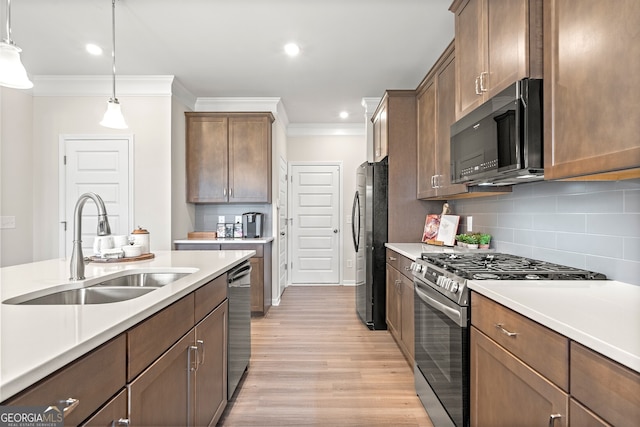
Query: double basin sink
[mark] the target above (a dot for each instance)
(122, 288)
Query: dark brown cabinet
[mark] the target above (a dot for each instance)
(228, 157)
(497, 42)
(399, 305)
(591, 55)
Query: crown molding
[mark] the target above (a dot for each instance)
(370, 105)
(181, 93)
(272, 104)
(101, 85)
(326, 129)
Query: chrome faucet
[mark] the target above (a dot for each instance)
(77, 258)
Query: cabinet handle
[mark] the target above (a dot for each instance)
(501, 328)
(482, 87)
(193, 366)
(224, 192)
(230, 192)
(552, 419)
(120, 422)
(391, 258)
(478, 86)
(68, 405)
(200, 343)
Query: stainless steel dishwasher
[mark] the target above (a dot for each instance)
(239, 339)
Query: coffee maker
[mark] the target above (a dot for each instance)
(252, 224)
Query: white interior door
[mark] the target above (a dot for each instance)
(282, 227)
(315, 227)
(103, 165)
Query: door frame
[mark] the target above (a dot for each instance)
(338, 164)
(280, 206)
(62, 180)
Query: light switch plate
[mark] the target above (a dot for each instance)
(469, 223)
(221, 219)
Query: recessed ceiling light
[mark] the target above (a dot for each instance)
(344, 115)
(292, 49)
(93, 49)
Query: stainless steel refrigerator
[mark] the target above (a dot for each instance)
(369, 232)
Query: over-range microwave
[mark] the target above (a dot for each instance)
(501, 141)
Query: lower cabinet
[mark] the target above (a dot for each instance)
(399, 305)
(168, 370)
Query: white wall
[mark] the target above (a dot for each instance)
(182, 213)
(16, 175)
(149, 121)
(352, 152)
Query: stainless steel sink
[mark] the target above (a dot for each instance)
(91, 295)
(122, 288)
(144, 280)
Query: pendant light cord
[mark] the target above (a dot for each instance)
(113, 41)
(8, 39)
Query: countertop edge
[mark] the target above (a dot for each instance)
(258, 241)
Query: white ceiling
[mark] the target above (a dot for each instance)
(221, 48)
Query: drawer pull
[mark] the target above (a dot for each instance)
(501, 328)
(68, 405)
(121, 422)
(200, 344)
(552, 419)
(393, 258)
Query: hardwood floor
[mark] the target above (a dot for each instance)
(314, 363)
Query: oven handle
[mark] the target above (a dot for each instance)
(452, 313)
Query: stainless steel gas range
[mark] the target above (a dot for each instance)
(442, 319)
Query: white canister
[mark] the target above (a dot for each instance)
(141, 237)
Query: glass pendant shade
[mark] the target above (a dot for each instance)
(113, 117)
(12, 72)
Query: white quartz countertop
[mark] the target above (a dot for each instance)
(257, 241)
(603, 315)
(36, 340)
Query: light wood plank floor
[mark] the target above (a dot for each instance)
(314, 363)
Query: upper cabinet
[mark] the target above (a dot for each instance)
(228, 157)
(592, 54)
(380, 133)
(497, 42)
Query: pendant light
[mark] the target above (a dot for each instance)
(113, 116)
(12, 72)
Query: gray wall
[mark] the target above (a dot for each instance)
(592, 225)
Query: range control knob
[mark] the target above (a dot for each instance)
(454, 287)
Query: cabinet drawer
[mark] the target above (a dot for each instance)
(245, 247)
(147, 341)
(210, 296)
(541, 348)
(111, 413)
(104, 366)
(610, 390)
(399, 262)
(582, 417)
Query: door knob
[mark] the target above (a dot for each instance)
(335, 230)
(282, 233)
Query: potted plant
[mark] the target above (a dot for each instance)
(472, 241)
(460, 239)
(484, 240)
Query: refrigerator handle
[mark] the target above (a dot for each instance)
(355, 213)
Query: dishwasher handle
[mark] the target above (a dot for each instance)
(239, 273)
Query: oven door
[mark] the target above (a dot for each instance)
(442, 356)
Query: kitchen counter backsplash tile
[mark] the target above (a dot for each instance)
(206, 215)
(590, 225)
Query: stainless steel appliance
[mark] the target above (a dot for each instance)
(239, 338)
(252, 224)
(369, 232)
(501, 141)
(442, 320)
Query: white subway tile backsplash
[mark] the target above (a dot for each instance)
(594, 225)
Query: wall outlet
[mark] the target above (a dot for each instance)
(7, 222)
(349, 263)
(221, 219)
(238, 219)
(469, 224)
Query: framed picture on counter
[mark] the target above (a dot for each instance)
(448, 229)
(431, 226)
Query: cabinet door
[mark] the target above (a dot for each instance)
(507, 392)
(445, 117)
(257, 285)
(163, 394)
(113, 414)
(393, 302)
(207, 154)
(250, 159)
(380, 134)
(469, 55)
(592, 53)
(211, 373)
(407, 321)
(426, 165)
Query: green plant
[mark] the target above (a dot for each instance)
(473, 239)
(485, 239)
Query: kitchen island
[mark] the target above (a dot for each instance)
(37, 340)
